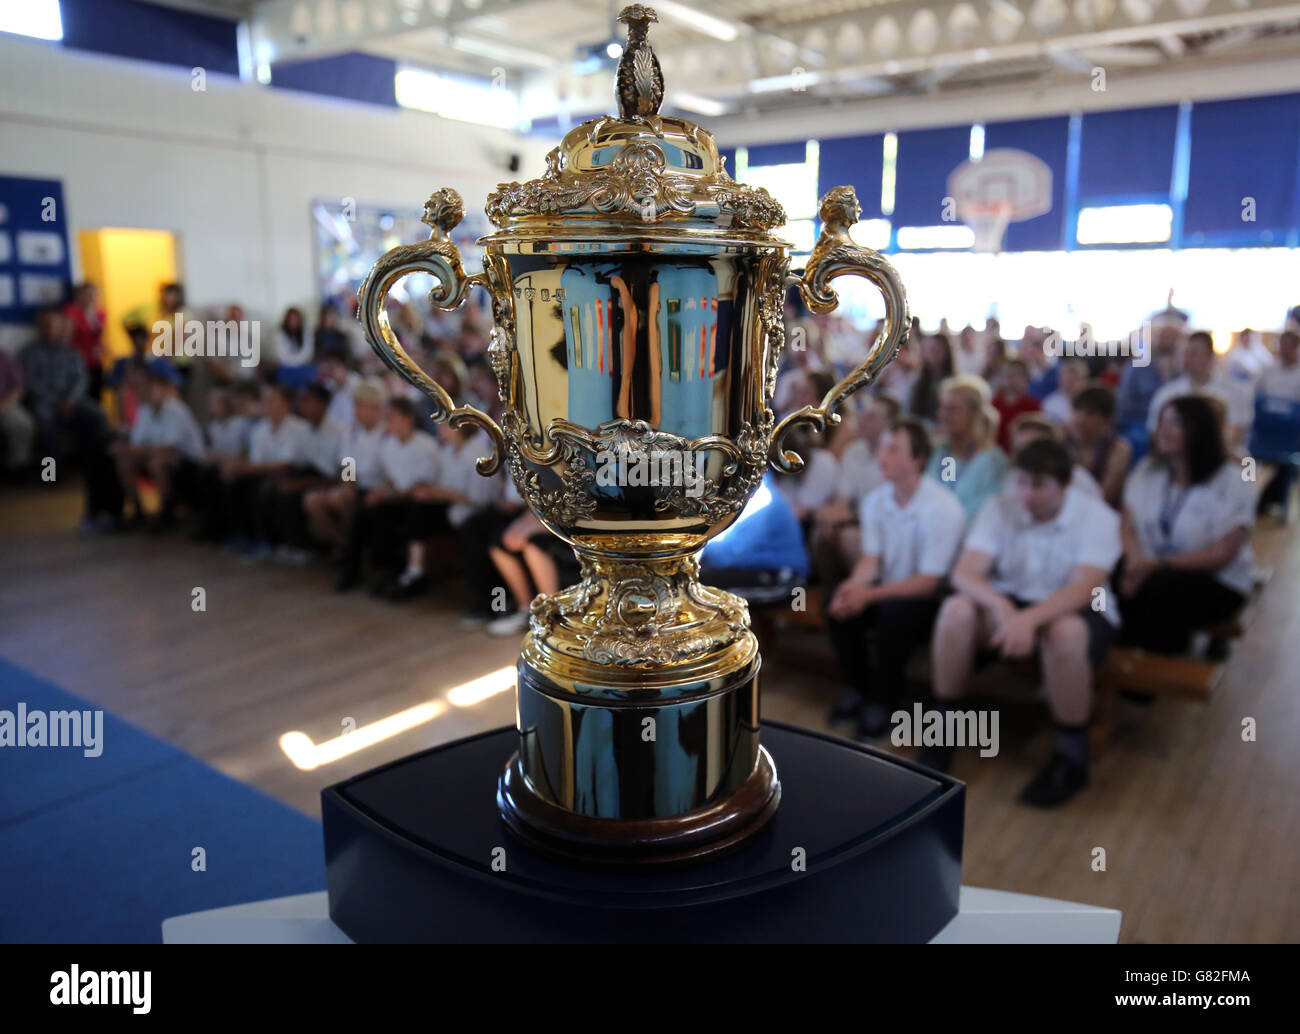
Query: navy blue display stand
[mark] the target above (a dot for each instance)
(865, 847)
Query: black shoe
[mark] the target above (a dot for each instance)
(873, 721)
(382, 585)
(1134, 697)
(1218, 649)
(1059, 780)
(846, 708)
(408, 588)
(346, 581)
(937, 758)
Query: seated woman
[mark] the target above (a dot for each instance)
(965, 458)
(1187, 519)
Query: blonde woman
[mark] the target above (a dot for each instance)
(966, 458)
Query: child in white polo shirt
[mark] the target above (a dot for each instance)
(166, 444)
(911, 531)
(1033, 579)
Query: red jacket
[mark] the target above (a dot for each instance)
(87, 333)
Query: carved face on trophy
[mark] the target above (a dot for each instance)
(637, 292)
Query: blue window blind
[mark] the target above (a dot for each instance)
(1244, 149)
(146, 32)
(857, 162)
(1127, 154)
(778, 154)
(356, 77)
(926, 157)
(1047, 139)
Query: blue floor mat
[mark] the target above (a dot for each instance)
(100, 849)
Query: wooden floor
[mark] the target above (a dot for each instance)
(1201, 830)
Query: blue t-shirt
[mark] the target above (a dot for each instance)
(766, 536)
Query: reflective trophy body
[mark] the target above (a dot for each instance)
(638, 299)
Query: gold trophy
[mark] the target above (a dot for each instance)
(637, 292)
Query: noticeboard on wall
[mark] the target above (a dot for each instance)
(35, 263)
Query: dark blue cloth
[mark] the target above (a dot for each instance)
(766, 536)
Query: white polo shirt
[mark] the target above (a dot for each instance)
(922, 537)
(404, 464)
(362, 447)
(816, 485)
(459, 474)
(230, 436)
(859, 472)
(1034, 559)
(1196, 516)
(172, 426)
(1236, 398)
(283, 444)
(322, 448)
(1281, 382)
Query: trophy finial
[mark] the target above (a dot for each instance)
(639, 82)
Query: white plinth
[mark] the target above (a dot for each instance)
(985, 917)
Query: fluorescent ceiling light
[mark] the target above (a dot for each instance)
(701, 105)
(708, 24)
(502, 52)
(952, 236)
(1125, 224)
(795, 81)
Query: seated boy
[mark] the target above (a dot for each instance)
(911, 531)
(1033, 580)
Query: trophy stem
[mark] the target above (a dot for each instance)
(638, 717)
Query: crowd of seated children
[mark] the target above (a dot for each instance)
(919, 523)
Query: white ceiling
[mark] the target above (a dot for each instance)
(828, 50)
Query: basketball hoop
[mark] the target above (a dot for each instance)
(988, 221)
(1005, 186)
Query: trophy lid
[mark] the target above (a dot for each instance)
(640, 170)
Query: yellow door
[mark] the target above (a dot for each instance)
(129, 266)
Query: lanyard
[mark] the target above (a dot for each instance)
(1170, 508)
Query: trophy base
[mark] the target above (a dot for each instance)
(865, 847)
(720, 827)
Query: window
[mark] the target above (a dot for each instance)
(1125, 224)
(462, 99)
(39, 19)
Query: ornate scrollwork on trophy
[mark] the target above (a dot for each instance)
(643, 616)
(638, 182)
(577, 456)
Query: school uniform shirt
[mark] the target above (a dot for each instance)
(362, 447)
(459, 474)
(1236, 399)
(1173, 519)
(1034, 559)
(172, 425)
(404, 464)
(859, 472)
(816, 485)
(340, 409)
(283, 444)
(1058, 408)
(1280, 382)
(922, 537)
(322, 448)
(229, 437)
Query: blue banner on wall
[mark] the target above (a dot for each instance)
(35, 265)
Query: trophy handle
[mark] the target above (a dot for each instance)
(834, 255)
(439, 257)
